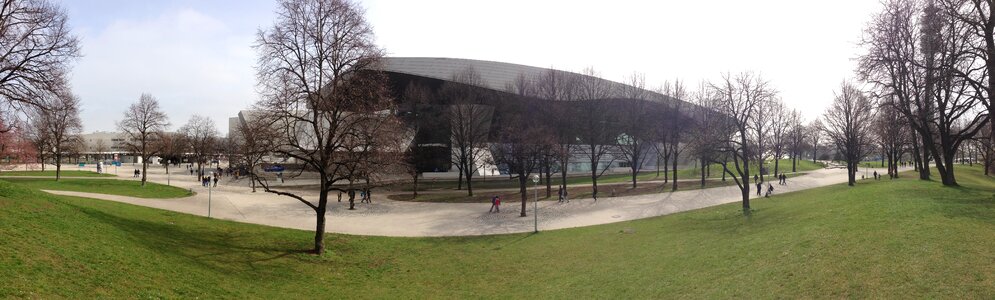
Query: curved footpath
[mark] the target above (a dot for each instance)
(410, 219)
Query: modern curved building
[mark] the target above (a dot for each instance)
(427, 90)
(501, 83)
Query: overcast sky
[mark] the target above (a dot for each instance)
(196, 56)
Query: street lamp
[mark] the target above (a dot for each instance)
(208, 198)
(535, 204)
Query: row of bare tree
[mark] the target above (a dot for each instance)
(931, 67)
(36, 51)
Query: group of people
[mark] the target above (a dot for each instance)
(365, 195)
(137, 173)
(782, 179)
(563, 195)
(205, 181)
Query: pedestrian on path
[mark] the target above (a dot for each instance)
(495, 204)
(759, 187)
(770, 190)
(559, 194)
(215, 180)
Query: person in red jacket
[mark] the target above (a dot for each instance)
(495, 204)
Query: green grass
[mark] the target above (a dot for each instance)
(51, 173)
(132, 188)
(882, 239)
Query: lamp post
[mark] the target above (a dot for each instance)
(535, 204)
(208, 199)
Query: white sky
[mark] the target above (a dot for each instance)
(195, 56)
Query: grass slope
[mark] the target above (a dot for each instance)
(132, 188)
(898, 239)
(51, 173)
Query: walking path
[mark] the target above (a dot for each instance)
(398, 218)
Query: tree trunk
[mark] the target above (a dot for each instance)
(58, 166)
(666, 175)
(777, 164)
(522, 190)
(319, 230)
(703, 168)
(549, 180)
(815, 149)
(414, 179)
(746, 186)
(594, 176)
(851, 172)
(469, 180)
(563, 176)
(674, 169)
(459, 184)
(634, 172)
(145, 170)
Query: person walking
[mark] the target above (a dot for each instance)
(770, 190)
(215, 180)
(559, 194)
(495, 204)
(759, 187)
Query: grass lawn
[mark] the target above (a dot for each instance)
(51, 173)
(131, 188)
(882, 239)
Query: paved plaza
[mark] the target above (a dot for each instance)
(235, 201)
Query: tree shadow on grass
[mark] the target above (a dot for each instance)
(225, 252)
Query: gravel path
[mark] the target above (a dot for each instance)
(410, 219)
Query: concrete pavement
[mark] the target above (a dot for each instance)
(398, 218)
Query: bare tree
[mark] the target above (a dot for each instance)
(201, 136)
(596, 139)
(469, 123)
(978, 20)
(891, 133)
(332, 114)
(101, 148)
(143, 125)
(558, 87)
(920, 55)
(848, 124)
(172, 146)
(796, 138)
(707, 135)
(60, 125)
(254, 138)
(634, 144)
(36, 47)
(762, 125)
(814, 131)
(780, 126)
(739, 99)
(520, 148)
(677, 125)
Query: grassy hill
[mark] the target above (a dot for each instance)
(904, 238)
